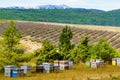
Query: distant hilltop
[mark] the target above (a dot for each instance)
(40, 7)
(53, 7)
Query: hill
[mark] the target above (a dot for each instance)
(71, 16)
(40, 31)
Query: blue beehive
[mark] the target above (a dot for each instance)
(17, 72)
(14, 74)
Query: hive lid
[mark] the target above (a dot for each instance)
(9, 66)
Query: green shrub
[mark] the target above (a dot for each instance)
(26, 57)
(48, 53)
(102, 50)
(80, 52)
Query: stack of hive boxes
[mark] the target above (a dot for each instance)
(39, 68)
(47, 67)
(26, 69)
(63, 64)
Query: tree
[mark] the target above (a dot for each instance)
(47, 53)
(9, 52)
(11, 37)
(102, 50)
(80, 52)
(65, 45)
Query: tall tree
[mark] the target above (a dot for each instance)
(65, 45)
(11, 37)
(81, 52)
(9, 51)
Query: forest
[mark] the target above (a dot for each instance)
(71, 16)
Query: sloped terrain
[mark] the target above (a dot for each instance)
(71, 16)
(51, 31)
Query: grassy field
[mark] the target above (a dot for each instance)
(79, 72)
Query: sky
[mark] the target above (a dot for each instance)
(89, 4)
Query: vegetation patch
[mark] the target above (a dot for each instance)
(11, 54)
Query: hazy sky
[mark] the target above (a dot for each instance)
(96, 4)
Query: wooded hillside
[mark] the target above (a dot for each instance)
(72, 16)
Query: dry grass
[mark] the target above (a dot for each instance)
(79, 72)
(28, 45)
(4, 20)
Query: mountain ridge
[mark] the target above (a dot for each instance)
(40, 7)
(53, 7)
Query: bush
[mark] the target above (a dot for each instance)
(80, 52)
(26, 57)
(19, 51)
(48, 53)
(102, 50)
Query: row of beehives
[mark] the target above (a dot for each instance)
(100, 63)
(12, 71)
(95, 63)
(46, 67)
(54, 67)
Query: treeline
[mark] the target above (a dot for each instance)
(68, 51)
(72, 16)
(11, 54)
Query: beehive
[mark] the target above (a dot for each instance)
(64, 64)
(70, 64)
(17, 72)
(56, 63)
(39, 68)
(88, 64)
(114, 62)
(26, 69)
(47, 67)
(94, 64)
(8, 70)
(100, 63)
